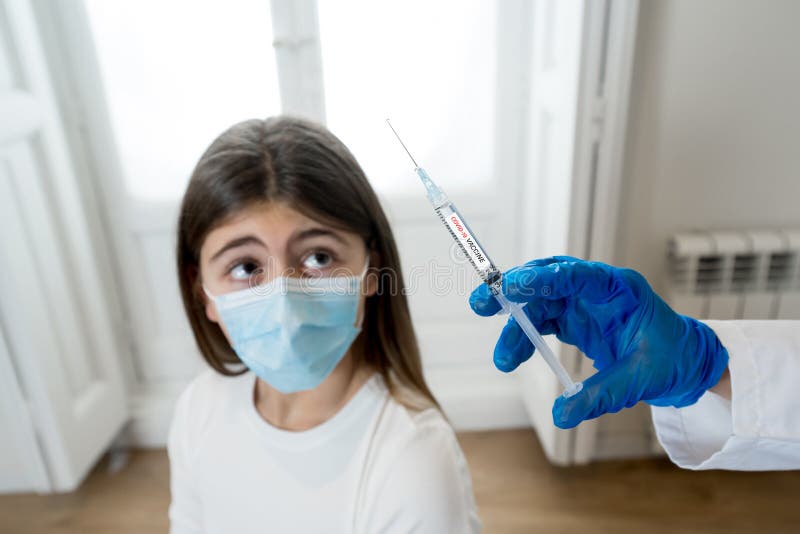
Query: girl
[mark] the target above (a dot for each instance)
(315, 416)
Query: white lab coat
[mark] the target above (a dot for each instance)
(759, 428)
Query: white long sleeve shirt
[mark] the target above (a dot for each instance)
(759, 428)
(375, 466)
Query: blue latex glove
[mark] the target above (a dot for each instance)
(642, 349)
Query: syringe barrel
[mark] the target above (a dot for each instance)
(467, 241)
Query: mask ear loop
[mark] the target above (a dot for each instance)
(361, 279)
(208, 293)
(364, 270)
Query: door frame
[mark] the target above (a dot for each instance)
(601, 136)
(582, 56)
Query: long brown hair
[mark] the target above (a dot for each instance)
(302, 164)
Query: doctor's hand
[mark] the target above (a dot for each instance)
(643, 350)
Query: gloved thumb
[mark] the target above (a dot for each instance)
(607, 391)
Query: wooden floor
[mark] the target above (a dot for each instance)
(517, 491)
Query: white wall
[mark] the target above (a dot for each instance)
(714, 131)
(713, 138)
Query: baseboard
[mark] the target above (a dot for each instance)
(472, 398)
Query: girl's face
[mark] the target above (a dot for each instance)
(268, 240)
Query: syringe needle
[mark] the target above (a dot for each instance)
(402, 143)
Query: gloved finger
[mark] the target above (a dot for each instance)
(607, 391)
(513, 347)
(541, 311)
(539, 262)
(483, 302)
(592, 281)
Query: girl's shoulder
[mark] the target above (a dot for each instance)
(405, 426)
(209, 395)
(409, 422)
(209, 381)
(211, 386)
(417, 473)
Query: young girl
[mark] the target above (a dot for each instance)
(315, 416)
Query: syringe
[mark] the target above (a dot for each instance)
(490, 274)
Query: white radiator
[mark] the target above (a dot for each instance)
(735, 275)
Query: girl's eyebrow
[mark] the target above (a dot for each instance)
(238, 242)
(317, 232)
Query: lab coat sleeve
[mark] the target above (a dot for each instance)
(428, 489)
(184, 508)
(759, 428)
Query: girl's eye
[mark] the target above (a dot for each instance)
(243, 270)
(317, 260)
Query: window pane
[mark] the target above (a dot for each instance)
(430, 67)
(176, 74)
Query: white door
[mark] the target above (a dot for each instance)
(60, 362)
(21, 463)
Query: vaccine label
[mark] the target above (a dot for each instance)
(468, 243)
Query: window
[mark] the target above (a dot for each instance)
(429, 66)
(176, 74)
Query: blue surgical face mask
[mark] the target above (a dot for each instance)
(292, 332)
